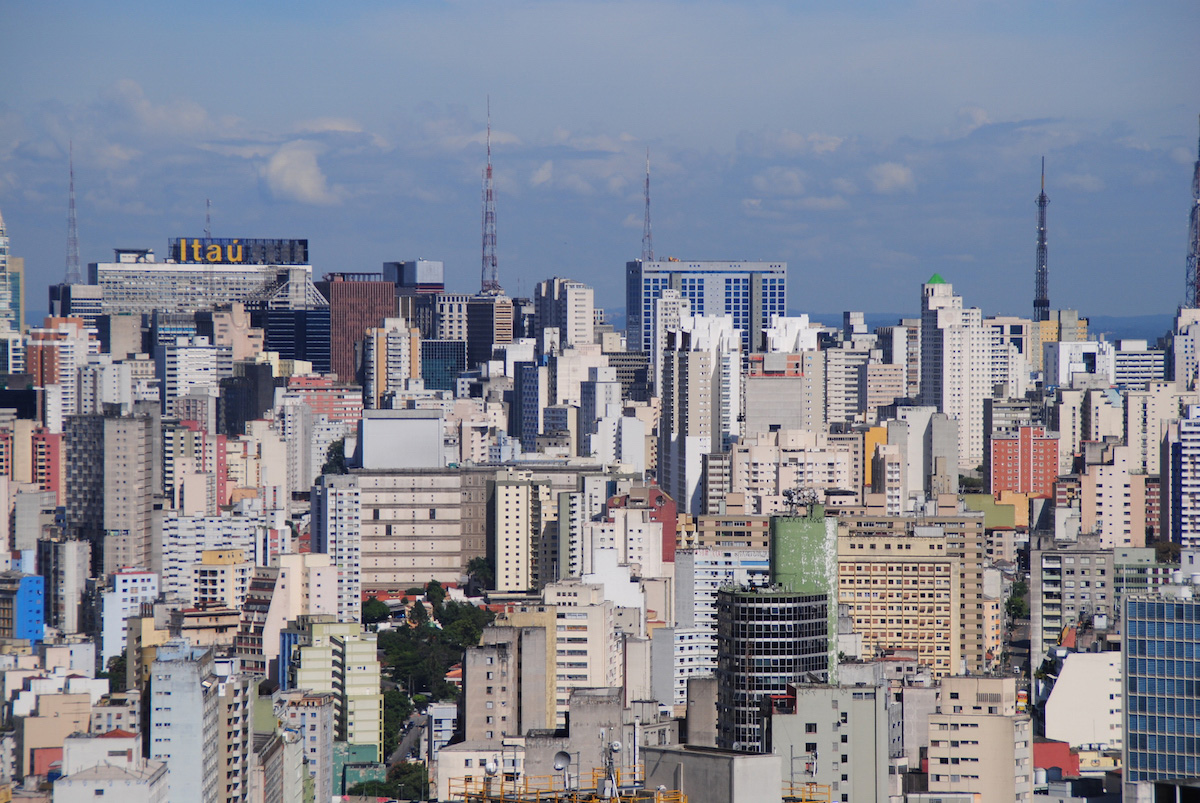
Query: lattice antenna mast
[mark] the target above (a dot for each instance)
(1192, 298)
(490, 283)
(207, 219)
(74, 273)
(647, 235)
(1041, 295)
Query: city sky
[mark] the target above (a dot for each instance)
(867, 144)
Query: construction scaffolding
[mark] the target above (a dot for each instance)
(503, 788)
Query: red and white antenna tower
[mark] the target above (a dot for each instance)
(1192, 293)
(647, 236)
(74, 273)
(490, 283)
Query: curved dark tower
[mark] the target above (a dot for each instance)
(1041, 293)
(1192, 294)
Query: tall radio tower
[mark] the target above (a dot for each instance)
(1192, 293)
(1041, 293)
(74, 273)
(490, 283)
(647, 237)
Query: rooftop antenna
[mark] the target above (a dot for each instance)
(1041, 295)
(1192, 295)
(207, 219)
(647, 236)
(74, 274)
(489, 284)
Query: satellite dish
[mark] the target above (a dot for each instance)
(615, 747)
(491, 767)
(562, 760)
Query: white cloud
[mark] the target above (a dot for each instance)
(179, 117)
(1082, 181)
(822, 203)
(845, 186)
(890, 177)
(293, 174)
(322, 125)
(542, 174)
(780, 181)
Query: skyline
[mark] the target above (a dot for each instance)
(867, 147)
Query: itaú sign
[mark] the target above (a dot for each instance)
(226, 251)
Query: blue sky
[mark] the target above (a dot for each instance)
(867, 144)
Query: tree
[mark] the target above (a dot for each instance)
(335, 458)
(479, 571)
(436, 594)
(1017, 607)
(418, 615)
(375, 610)
(396, 709)
(410, 780)
(115, 673)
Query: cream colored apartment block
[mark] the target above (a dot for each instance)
(978, 742)
(916, 585)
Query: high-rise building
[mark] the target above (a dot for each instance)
(767, 638)
(12, 286)
(1181, 481)
(1160, 660)
(185, 720)
(523, 511)
(200, 274)
(955, 366)
(489, 323)
(337, 531)
(357, 302)
(568, 306)
(701, 403)
(416, 277)
(113, 473)
(441, 363)
(391, 356)
(295, 318)
(1024, 462)
(979, 742)
(750, 292)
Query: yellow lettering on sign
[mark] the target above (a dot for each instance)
(231, 255)
(183, 250)
(213, 253)
(196, 251)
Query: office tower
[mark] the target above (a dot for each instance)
(701, 403)
(1160, 661)
(200, 275)
(113, 473)
(750, 292)
(804, 561)
(979, 743)
(1025, 462)
(901, 345)
(489, 323)
(766, 639)
(441, 363)
(531, 397)
(1180, 485)
(785, 390)
(1136, 365)
(357, 302)
(955, 372)
(416, 277)
(568, 306)
(668, 308)
(324, 655)
(337, 516)
(295, 318)
(184, 720)
(391, 357)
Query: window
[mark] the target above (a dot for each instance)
(810, 727)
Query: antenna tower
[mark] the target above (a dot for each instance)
(207, 219)
(1192, 296)
(647, 236)
(489, 284)
(1041, 295)
(74, 274)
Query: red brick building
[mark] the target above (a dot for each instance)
(357, 302)
(1025, 462)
